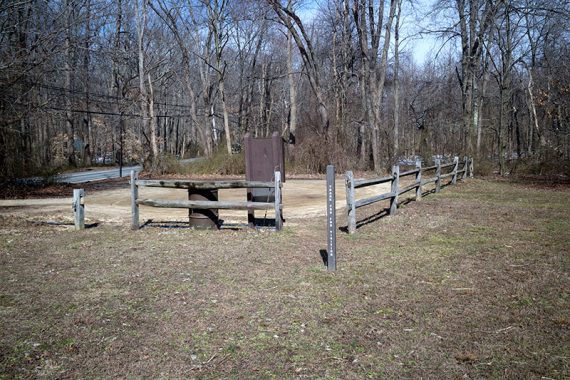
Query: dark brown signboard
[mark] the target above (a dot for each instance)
(263, 157)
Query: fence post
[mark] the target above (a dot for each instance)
(471, 168)
(394, 189)
(465, 166)
(134, 198)
(438, 175)
(455, 168)
(419, 180)
(247, 144)
(278, 202)
(331, 220)
(79, 208)
(350, 202)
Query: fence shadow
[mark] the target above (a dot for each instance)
(64, 224)
(385, 212)
(439, 182)
(324, 256)
(260, 224)
(168, 224)
(368, 220)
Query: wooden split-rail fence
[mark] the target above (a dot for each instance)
(440, 172)
(277, 205)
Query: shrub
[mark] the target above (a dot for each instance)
(313, 154)
(220, 163)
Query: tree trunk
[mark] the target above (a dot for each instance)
(153, 127)
(216, 23)
(292, 119)
(372, 71)
(141, 16)
(534, 117)
(397, 83)
(303, 42)
(88, 133)
(70, 126)
(201, 126)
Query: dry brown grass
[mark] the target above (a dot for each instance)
(470, 283)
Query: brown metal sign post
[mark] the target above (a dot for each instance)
(331, 219)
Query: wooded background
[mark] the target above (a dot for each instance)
(94, 81)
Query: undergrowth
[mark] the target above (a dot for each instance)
(220, 163)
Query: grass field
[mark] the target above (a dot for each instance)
(469, 283)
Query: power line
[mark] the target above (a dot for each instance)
(100, 112)
(111, 113)
(107, 96)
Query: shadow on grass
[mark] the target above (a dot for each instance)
(64, 224)
(177, 224)
(386, 212)
(324, 257)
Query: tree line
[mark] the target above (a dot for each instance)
(95, 81)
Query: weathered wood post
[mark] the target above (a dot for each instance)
(394, 189)
(465, 167)
(419, 179)
(471, 168)
(278, 202)
(79, 208)
(437, 175)
(134, 198)
(331, 219)
(455, 169)
(350, 202)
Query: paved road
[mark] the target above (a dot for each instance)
(96, 175)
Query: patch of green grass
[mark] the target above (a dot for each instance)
(65, 343)
(559, 228)
(7, 300)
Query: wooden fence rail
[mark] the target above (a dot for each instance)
(395, 190)
(277, 205)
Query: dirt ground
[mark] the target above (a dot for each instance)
(469, 283)
(301, 199)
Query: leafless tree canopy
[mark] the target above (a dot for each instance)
(98, 81)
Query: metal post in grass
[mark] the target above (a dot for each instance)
(79, 208)
(437, 175)
(419, 180)
(455, 168)
(394, 189)
(350, 202)
(465, 166)
(331, 219)
(278, 202)
(134, 198)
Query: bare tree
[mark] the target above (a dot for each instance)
(396, 136)
(292, 119)
(171, 16)
(218, 25)
(369, 25)
(475, 20)
(146, 101)
(293, 23)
